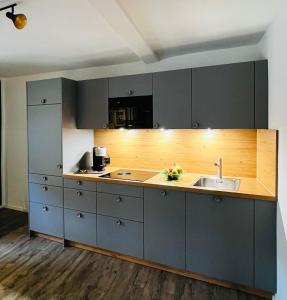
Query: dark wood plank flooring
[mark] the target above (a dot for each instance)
(11, 219)
(41, 269)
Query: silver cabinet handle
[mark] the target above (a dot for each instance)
(45, 208)
(119, 222)
(217, 199)
(79, 182)
(156, 125)
(45, 178)
(163, 193)
(43, 101)
(105, 126)
(79, 193)
(119, 199)
(59, 166)
(44, 188)
(79, 215)
(131, 92)
(195, 125)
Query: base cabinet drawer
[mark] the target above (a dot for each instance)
(120, 235)
(80, 227)
(80, 200)
(125, 207)
(46, 179)
(46, 219)
(46, 194)
(220, 237)
(120, 189)
(80, 184)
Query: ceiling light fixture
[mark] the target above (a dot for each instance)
(19, 20)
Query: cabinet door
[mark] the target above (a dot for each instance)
(164, 227)
(223, 96)
(92, 104)
(80, 227)
(172, 99)
(265, 245)
(134, 85)
(48, 91)
(120, 235)
(45, 139)
(220, 237)
(46, 219)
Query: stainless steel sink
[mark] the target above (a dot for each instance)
(229, 184)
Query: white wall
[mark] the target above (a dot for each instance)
(14, 108)
(274, 47)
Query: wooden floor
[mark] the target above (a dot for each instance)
(42, 269)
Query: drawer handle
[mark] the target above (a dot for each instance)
(44, 188)
(163, 193)
(59, 166)
(79, 182)
(156, 126)
(217, 199)
(45, 178)
(119, 222)
(45, 208)
(79, 193)
(119, 199)
(131, 92)
(43, 101)
(105, 126)
(195, 125)
(79, 215)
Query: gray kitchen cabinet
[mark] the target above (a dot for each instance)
(80, 227)
(133, 85)
(80, 184)
(80, 200)
(120, 235)
(46, 219)
(220, 237)
(45, 139)
(120, 189)
(164, 227)
(48, 91)
(265, 245)
(92, 104)
(46, 194)
(172, 99)
(223, 96)
(45, 179)
(119, 206)
(261, 93)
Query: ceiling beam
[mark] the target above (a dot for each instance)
(122, 25)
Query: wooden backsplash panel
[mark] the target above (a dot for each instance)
(267, 159)
(195, 150)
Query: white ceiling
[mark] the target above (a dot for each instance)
(68, 34)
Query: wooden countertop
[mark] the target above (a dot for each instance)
(249, 187)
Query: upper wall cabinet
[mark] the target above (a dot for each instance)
(223, 96)
(92, 104)
(230, 96)
(44, 91)
(134, 85)
(172, 99)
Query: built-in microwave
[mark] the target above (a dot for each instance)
(131, 112)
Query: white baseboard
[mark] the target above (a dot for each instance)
(16, 208)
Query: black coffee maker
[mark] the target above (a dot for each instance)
(99, 158)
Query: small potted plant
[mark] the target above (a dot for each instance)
(172, 173)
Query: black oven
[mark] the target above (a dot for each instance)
(131, 112)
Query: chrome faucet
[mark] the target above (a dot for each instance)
(218, 164)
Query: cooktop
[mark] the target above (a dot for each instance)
(130, 175)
